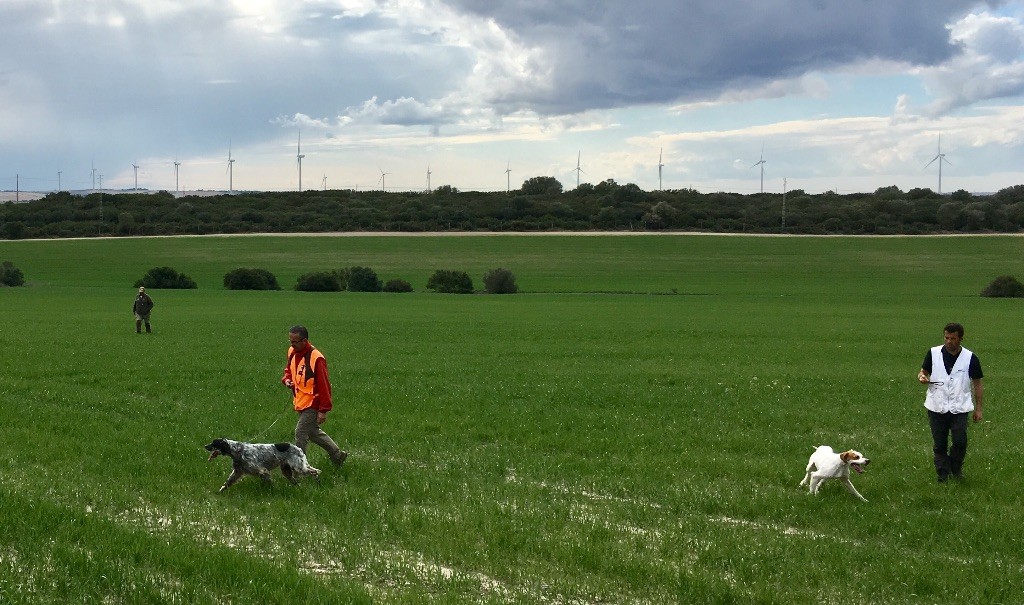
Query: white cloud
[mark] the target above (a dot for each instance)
(119, 80)
(990, 66)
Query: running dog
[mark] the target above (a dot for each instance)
(259, 459)
(827, 464)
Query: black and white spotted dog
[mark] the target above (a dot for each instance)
(260, 458)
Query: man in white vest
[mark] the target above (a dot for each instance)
(953, 375)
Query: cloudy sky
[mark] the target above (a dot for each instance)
(845, 95)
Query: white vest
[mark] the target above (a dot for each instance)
(953, 393)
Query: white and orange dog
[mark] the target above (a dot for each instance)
(827, 464)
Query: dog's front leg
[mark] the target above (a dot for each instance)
(853, 490)
(288, 474)
(232, 478)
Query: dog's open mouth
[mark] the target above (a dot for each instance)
(857, 467)
(213, 454)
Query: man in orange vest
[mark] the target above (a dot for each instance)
(305, 373)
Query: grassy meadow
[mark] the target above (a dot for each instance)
(631, 428)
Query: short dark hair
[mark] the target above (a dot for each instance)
(954, 327)
(300, 330)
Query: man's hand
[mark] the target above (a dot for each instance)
(923, 378)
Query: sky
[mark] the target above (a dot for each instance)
(482, 95)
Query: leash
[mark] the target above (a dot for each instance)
(265, 431)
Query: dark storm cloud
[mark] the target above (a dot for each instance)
(608, 53)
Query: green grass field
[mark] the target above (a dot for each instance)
(631, 428)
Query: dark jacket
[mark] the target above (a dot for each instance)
(143, 304)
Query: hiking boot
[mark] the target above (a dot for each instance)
(340, 459)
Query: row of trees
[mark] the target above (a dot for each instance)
(540, 205)
(353, 279)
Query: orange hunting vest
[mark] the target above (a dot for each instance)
(301, 368)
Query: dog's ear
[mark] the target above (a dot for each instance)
(847, 455)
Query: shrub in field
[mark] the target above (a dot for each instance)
(318, 281)
(11, 275)
(166, 278)
(342, 276)
(397, 285)
(363, 279)
(1004, 286)
(500, 281)
(250, 279)
(450, 282)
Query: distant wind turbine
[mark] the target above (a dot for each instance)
(231, 170)
(578, 169)
(660, 166)
(941, 157)
(382, 175)
(176, 164)
(298, 158)
(58, 179)
(94, 175)
(508, 177)
(428, 178)
(761, 163)
(136, 167)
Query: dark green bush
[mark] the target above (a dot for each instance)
(397, 285)
(14, 230)
(250, 279)
(11, 275)
(318, 281)
(500, 281)
(1004, 286)
(342, 276)
(450, 282)
(363, 279)
(166, 278)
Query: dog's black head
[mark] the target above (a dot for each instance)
(218, 447)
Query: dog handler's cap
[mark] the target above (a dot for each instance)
(142, 289)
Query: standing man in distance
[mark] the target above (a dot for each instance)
(953, 375)
(305, 373)
(142, 307)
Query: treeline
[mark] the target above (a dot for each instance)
(540, 205)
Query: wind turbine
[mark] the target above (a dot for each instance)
(578, 169)
(428, 179)
(761, 163)
(298, 157)
(508, 177)
(382, 175)
(176, 164)
(231, 170)
(94, 175)
(325, 182)
(660, 166)
(941, 157)
(136, 167)
(58, 179)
